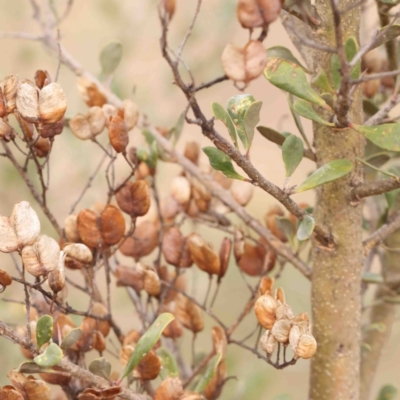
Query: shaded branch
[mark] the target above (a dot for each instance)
(374, 188)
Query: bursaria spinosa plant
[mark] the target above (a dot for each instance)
(158, 242)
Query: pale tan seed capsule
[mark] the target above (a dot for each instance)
(306, 346)
(284, 311)
(7, 133)
(152, 284)
(255, 59)
(242, 192)
(79, 252)
(52, 103)
(71, 228)
(57, 276)
(280, 295)
(90, 93)
(294, 336)
(265, 308)
(203, 254)
(8, 238)
(27, 101)
(9, 86)
(180, 190)
(268, 342)
(101, 325)
(109, 111)
(80, 127)
(170, 389)
(131, 113)
(41, 257)
(281, 330)
(233, 63)
(96, 120)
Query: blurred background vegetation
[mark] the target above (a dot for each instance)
(144, 76)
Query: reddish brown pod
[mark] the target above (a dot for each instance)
(258, 13)
(118, 134)
(133, 198)
(169, 7)
(175, 248)
(90, 93)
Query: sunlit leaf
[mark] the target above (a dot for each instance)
(291, 78)
(292, 153)
(251, 119)
(372, 277)
(285, 54)
(325, 174)
(168, 362)
(306, 110)
(386, 34)
(51, 356)
(306, 227)
(297, 119)
(272, 135)
(100, 367)
(110, 57)
(386, 136)
(221, 114)
(209, 373)
(44, 330)
(147, 342)
(221, 162)
(387, 392)
(321, 81)
(71, 338)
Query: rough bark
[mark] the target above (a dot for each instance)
(336, 279)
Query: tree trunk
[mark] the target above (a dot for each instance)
(336, 279)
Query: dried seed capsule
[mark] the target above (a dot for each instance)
(57, 276)
(27, 101)
(224, 254)
(189, 314)
(255, 59)
(42, 147)
(5, 280)
(306, 346)
(214, 387)
(268, 342)
(101, 325)
(71, 228)
(203, 255)
(90, 93)
(130, 276)
(118, 134)
(112, 225)
(42, 78)
(131, 113)
(170, 389)
(281, 330)
(192, 152)
(265, 308)
(80, 127)
(149, 367)
(152, 284)
(180, 190)
(270, 221)
(50, 130)
(134, 198)
(52, 103)
(169, 7)
(7, 133)
(242, 192)
(96, 120)
(9, 86)
(169, 208)
(266, 284)
(252, 262)
(79, 252)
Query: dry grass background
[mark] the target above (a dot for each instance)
(91, 24)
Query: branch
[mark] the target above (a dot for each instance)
(374, 188)
(378, 117)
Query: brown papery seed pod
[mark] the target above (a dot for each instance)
(5, 280)
(88, 228)
(189, 314)
(99, 342)
(134, 198)
(270, 221)
(131, 338)
(96, 120)
(7, 133)
(149, 367)
(371, 87)
(80, 127)
(101, 325)
(131, 113)
(255, 60)
(306, 346)
(109, 111)
(170, 389)
(220, 341)
(50, 130)
(180, 190)
(270, 9)
(225, 182)
(36, 389)
(42, 78)
(233, 63)
(9, 86)
(152, 284)
(281, 330)
(224, 254)
(173, 330)
(71, 228)
(130, 276)
(169, 209)
(62, 379)
(112, 225)
(90, 92)
(79, 252)
(192, 152)
(214, 387)
(143, 241)
(42, 147)
(268, 342)
(242, 192)
(265, 308)
(118, 134)
(203, 255)
(143, 171)
(169, 7)
(52, 103)
(172, 245)
(178, 282)
(41, 257)
(3, 111)
(238, 244)
(252, 262)
(266, 284)
(249, 15)
(27, 101)
(57, 276)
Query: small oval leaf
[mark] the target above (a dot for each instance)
(285, 54)
(44, 330)
(386, 136)
(51, 356)
(176, 131)
(221, 162)
(291, 78)
(168, 362)
(110, 57)
(292, 153)
(251, 119)
(221, 114)
(325, 174)
(306, 228)
(209, 373)
(71, 338)
(285, 225)
(387, 392)
(321, 82)
(372, 277)
(30, 367)
(100, 367)
(272, 135)
(305, 109)
(146, 342)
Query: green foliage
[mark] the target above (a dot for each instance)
(386, 136)
(51, 356)
(110, 57)
(306, 228)
(44, 330)
(272, 135)
(221, 162)
(291, 78)
(100, 367)
(325, 174)
(321, 82)
(292, 154)
(286, 226)
(285, 54)
(168, 362)
(221, 114)
(71, 338)
(306, 110)
(372, 277)
(147, 342)
(209, 373)
(176, 131)
(387, 392)
(386, 34)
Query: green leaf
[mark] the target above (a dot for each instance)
(176, 131)
(329, 99)
(386, 136)
(389, 34)
(297, 120)
(393, 2)
(306, 110)
(272, 135)
(369, 107)
(237, 107)
(285, 54)
(283, 396)
(387, 392)
(335, 71)
(292, 153)
(146, 342)
(44, 330)
(306, 228)
(325, 174)
(286, 226)
(291, 78)
(71, 338)
(51, 356)
(110, 57)
(378, 326)
(221, 114)
(251, 119)
(168, 362)
(221, 162)
(321, 82)
(209, 373)
(30, 367)
(372, 277)
(100, 367)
